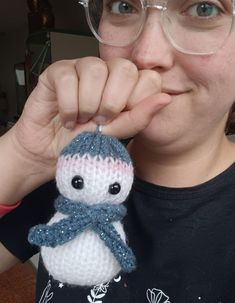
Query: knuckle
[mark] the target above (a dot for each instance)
(129, 69)
(60, 71)
(126, 67)
(43, 77)
(98, 69)
(111, 108)
(151, 77)
(61, 63)
(66, 77)
(87, 110)
(60, 66)
(95, 66)
(68, 110)
(85, 114)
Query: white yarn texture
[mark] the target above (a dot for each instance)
(86, 260)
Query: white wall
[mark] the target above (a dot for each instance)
(69, 46)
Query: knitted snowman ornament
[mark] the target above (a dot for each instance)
(84, 243)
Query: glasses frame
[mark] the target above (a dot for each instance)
(160, 5)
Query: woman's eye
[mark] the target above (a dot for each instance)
(77, 182)
(121, 7)
(204, 9)
(114, 188)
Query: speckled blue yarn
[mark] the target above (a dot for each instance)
(81, 217)
(95, 143)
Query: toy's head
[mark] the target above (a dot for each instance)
(94, 169)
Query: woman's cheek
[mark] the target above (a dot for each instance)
(108, 52)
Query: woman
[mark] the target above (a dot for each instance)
(166, 78)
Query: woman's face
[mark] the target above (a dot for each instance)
(202, 87)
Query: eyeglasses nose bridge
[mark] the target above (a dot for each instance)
(157, 4)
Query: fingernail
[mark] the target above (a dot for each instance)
(82, 120)
(101, 119)
(70, 125)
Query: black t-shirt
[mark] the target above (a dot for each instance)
(183, 238)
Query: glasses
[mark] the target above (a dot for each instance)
(192, 26)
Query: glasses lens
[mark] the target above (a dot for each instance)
(198, 27)
(192, 26)
(116, 23)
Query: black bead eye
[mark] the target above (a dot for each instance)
(114, 188)
(77, 182)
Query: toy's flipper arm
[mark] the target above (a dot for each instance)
(113, 241)
(58, 233)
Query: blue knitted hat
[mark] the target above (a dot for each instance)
(97, 144)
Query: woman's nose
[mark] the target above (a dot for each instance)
(152, 50)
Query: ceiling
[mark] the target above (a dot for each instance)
(69, 15)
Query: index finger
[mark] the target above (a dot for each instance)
(131, 122)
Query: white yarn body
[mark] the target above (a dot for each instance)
(85, 260)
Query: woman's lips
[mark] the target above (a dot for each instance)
(174, 92)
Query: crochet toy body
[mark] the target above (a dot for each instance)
(84, 243)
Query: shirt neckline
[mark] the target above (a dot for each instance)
(210, 187)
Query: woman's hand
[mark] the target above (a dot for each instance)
(74, 95)
(71, 96)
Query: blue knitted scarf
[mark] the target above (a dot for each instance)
(98, 218)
